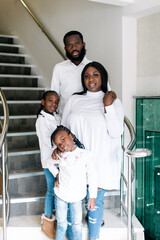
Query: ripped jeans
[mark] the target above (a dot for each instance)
(75, 211)
(95, 216)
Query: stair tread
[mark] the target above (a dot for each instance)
(11, 45)
(21, 117)
(21, 133)
(23, 88)
(24, 151)
(25, 198)
(7, 36)
(26, 171)
(16, 65)
(111, 218)
(19, 76)
(13, 54)
(22, 101)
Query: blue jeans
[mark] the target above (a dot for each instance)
(95, 216)
(75, 210)
(49, 198)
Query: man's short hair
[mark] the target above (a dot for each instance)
(72, 33)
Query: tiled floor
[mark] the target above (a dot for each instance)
(28, 228)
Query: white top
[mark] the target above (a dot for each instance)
(66, 79)
(76, 170)
(45, 125)
(99, 132)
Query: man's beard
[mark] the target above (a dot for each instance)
(77, 59)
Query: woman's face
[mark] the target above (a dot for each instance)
(92, 79)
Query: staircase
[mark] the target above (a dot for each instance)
(26, 179)
(27, 183)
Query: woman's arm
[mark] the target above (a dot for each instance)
(114, 115)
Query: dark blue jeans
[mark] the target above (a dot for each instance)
(49, 198)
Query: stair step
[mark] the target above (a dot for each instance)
(22, 69)
(23, 173)
(21, 123)
(25, 204)
(115, 228)
(6, 39)
(17, 152)
(15, 134)
(24, 161)
(22, 107)
(21, 140)
(9, 48)
(26, 183)
(11, 58)
(11, 80)
(23, 93)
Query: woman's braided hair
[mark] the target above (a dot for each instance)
(63, 128)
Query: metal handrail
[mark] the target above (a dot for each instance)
(3, 149)
(132, 134)
(137, 153)
(130, 154)
(43, 29)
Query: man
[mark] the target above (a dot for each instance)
(66, 78)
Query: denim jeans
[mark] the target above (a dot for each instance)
(95, 216)
(49, 198)
(75, 210)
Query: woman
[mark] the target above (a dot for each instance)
(96, 116)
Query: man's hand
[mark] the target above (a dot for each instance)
(91, 204)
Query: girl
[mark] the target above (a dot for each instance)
(47, 121)
(75, 168)
(96, 116)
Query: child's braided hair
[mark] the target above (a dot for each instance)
(62, 128)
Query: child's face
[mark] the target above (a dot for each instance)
(50, 103)
(92, 79)
(64, 141)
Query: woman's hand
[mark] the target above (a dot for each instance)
(109, 98)
(55, 154)
(91, 204)
(56, 184)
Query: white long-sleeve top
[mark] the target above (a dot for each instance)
(45, 125)
(76, 170)
(100, 132)
(66, 80)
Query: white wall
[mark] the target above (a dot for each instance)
(129, 65)
(100, 24)
(148, 67)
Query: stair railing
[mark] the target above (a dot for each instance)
(43, 29)
(4, 165)
(130, 154)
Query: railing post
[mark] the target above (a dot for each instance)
(137, 153)
(4, 192)
(129, 200)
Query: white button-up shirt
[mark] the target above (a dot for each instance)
(66, 80)
(76, 170)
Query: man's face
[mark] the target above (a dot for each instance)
(75, 48)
